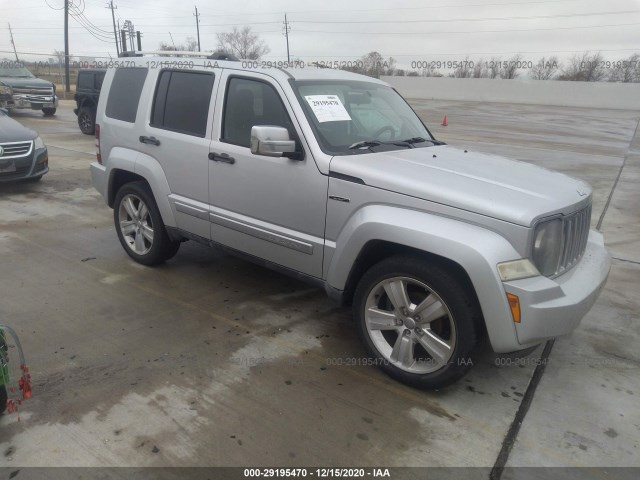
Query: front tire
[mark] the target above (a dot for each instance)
(418, 321)
(140, 228)
(48, 112)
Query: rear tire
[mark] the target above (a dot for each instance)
(48, 112)
(3, 399)
(418, 321)
(139, 224)
(87, 120)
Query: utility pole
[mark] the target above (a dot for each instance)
(13, 43)
(174, 43)
(115, 32)
(285, 30)
(67, 83)
(198, 27)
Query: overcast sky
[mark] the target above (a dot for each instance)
(408, 30)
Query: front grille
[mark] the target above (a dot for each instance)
(15, 149)
(48, 91)
(575, 232)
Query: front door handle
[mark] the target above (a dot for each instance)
(221, 157)
(149, 140)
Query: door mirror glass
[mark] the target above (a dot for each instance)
(271, 141)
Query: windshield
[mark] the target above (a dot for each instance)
(17, 72)
(351, 117)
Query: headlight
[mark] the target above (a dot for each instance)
(38, 143)
(5, 90)
(517, 270)
(547, 246)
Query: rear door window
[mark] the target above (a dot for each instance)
(124, 94)
(181, 102)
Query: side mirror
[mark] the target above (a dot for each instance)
(272, 141)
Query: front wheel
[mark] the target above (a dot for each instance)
(49, 111)
(417, 320)
(140, 227)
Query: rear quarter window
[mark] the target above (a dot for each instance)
(124, 94)
(85, 80)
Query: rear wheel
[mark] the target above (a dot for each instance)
(140, 227)
(87, 121)
(418, 321)
(48, 111)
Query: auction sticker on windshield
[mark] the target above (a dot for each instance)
(327, 108)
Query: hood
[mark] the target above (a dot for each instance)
(509, 190)
(25, 82)
(12, 131)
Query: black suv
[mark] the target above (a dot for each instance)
(87, 94)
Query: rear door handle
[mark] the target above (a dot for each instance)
(221, 157)
(149, 140)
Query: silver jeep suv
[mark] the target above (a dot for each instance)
(332, 177)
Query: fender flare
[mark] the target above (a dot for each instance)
(148, 168)
(476, 249)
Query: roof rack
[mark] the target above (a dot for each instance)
(182, 53)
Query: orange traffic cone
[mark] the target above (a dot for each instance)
(444, 121)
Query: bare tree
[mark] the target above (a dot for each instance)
(480, 69)
(545, 69)
(464, 70)
(509, 68)
(584, 68)
(493, 67)
(243, 43)
(59, 56)
(372, 64)
(191, 45)
(429, 71)
(626, 70)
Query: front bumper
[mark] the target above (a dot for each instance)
(32, 102)
(33, 165)
(554, 307)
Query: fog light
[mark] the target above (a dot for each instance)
(514, 305)
(43, 159)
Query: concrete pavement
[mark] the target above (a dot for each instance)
(209, 360)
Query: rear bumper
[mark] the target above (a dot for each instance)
(99, 179)
(554, 307)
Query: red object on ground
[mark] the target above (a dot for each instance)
(444, 121)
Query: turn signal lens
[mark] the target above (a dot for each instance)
(514, 305)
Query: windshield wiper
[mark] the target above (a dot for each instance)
(365, 143)
(413, 140)
(377, 143)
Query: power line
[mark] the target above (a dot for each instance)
(482, 19)
(444, 32)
